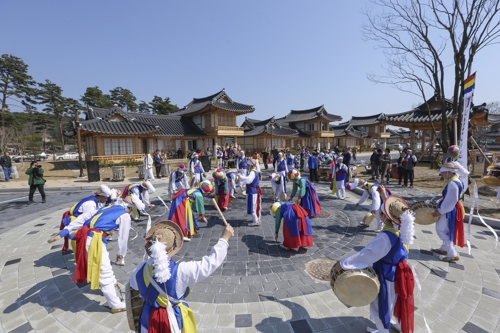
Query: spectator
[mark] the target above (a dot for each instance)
(354, 152)
(372, 161)
(148, 167)
(347, 157)
(179, 153)
(6, 163)
(377, 160)
(401, 170)
(386, 166)
(313, 167)
(157, 162)
(35, 181)
(274, 152)
(409, 163)
(407, 146)
(265, 154)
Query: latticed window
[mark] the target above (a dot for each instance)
(226, 120)
(107, 147)
(115, 147)
(123, 147)
(130, 146)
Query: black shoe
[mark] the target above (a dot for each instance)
(43, 201)
(30, 202)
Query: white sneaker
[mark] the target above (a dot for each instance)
(373, 330)
(342, 198)
(395, 326)
(186, 239)
(121, 262)
(284, 247)
(378, 230)
(232, 196)
(254, 224)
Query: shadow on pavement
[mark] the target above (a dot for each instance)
(301, 321)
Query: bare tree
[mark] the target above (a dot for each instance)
(431, 43)
(6, 136)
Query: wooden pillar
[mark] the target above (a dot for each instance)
(424, 135)
(412, 138)
(432, 142)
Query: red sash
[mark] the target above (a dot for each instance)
(404, 308)
(459, 226)
(158, 321)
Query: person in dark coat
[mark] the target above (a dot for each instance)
(6, 163)
(347, 157)
(35, 181)
(157, 162)
(313, 167)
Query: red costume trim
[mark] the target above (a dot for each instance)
(404, 308)
(459, 238)
(259, 194)
(80, 275)
(61, 227)
(158, 321)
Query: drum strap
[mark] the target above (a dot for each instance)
(170, 311)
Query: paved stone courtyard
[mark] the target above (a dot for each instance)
(259, 288)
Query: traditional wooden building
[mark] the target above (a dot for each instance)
(268, 133)
(347, 135)
(361, 132)
(299, 127)
(315, 123)
(216, 116)
(112, 134)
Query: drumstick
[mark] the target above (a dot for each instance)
(218, 209)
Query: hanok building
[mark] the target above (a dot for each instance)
(216, 116)
(422, 119)
(268, 133)
(361, 132)
(309, 128)
(112, 134)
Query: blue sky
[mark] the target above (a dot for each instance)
(277, 55)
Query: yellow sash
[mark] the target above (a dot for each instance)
(94, 256)
(188, 321)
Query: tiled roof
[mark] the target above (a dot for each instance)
(415, 116)
(139, 123)
(302, 115)
(101, 121)
(172, 125)
(493, 134)
(346, 129)
(365, 121)
(219, 100)
(256, 127)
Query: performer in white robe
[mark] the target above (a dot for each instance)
(371, 189)
(388, 253)
(178, 180)
(254, 193)
(148, 167)
(162, 242)
(277, 186)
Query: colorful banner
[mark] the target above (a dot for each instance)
(469, 86)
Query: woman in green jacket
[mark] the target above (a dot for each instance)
(35, 181)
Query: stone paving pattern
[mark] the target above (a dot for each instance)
(259, 288)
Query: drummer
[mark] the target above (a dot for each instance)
(388, 256)
(370, 190)
(451, 213)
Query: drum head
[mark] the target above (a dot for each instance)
(357, 287)
(491, 180)
(423, 213)
(368, 218)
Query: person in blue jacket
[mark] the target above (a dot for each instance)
(313, 167)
